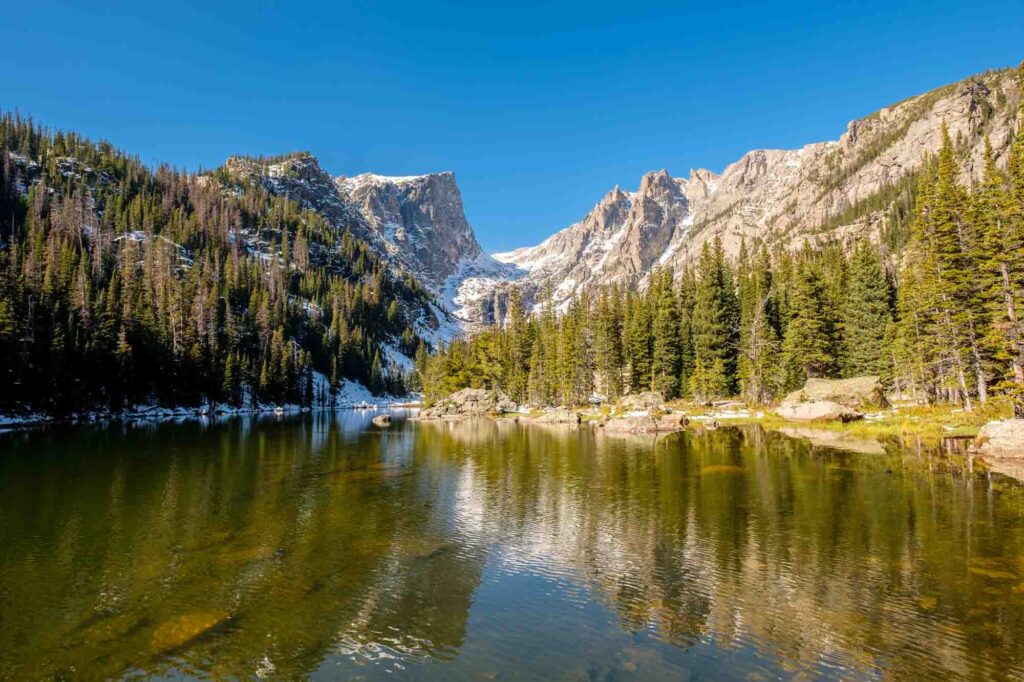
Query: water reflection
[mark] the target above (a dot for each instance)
(322, 546)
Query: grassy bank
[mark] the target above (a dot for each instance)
(901, 420)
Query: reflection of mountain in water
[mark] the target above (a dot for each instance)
(316, 543)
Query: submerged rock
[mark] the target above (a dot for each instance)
(382, 420)
(821, 410)
(856, 393)
(1002, 439)
(174, 634)
(469, 402)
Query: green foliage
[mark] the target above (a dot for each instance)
(121, 285)
(810, 347)
(866, 316)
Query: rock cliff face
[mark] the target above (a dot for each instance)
(419, 220)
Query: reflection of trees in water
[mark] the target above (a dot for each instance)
(819, 556)
(240, 546)
(261, 547)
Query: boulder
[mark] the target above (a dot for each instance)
(673, 421)
(559, 415)
(635, 424)
(1001, 439)
(821, 410)
(382, 420)
(857, 393)
(646, 401)
(469, 402)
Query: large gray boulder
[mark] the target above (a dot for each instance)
(469, 402)
(1002, 439)
(857, 393)
(820, 411)
(646, 401)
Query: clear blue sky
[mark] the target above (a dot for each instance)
(539, 109)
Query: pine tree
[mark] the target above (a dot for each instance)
(866, 316)
(667, 349)
(757, 368)
(607, 328)
(1001, 257)
(810, 345)
(714, 325)
(639, 344)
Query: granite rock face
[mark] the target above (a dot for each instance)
(419, 220)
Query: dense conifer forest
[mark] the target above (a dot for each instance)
(121, 285)
(934, 308)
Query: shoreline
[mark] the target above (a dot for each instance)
(13, 422)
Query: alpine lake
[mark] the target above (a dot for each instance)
(319, 546)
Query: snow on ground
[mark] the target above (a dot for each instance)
(474, 279)
(397, 358)
(350, 395)
(448, 328)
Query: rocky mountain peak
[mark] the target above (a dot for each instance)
(420, 220)
(417, 223)
(784, 197)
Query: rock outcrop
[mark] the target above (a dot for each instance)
(649, 401)
(418, 220)
(820, 410)
(1001, 439)
(382, 421)
(469, 402)
(857, 393)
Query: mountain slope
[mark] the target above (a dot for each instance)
(121, 285)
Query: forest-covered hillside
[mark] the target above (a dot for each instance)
(122, 285)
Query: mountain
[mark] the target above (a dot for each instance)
(859, 186)
(416, 223)
(851, 188)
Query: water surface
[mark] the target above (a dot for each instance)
(319, 546)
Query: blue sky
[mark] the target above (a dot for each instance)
(538, 108)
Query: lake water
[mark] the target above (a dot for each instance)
(319, 546)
